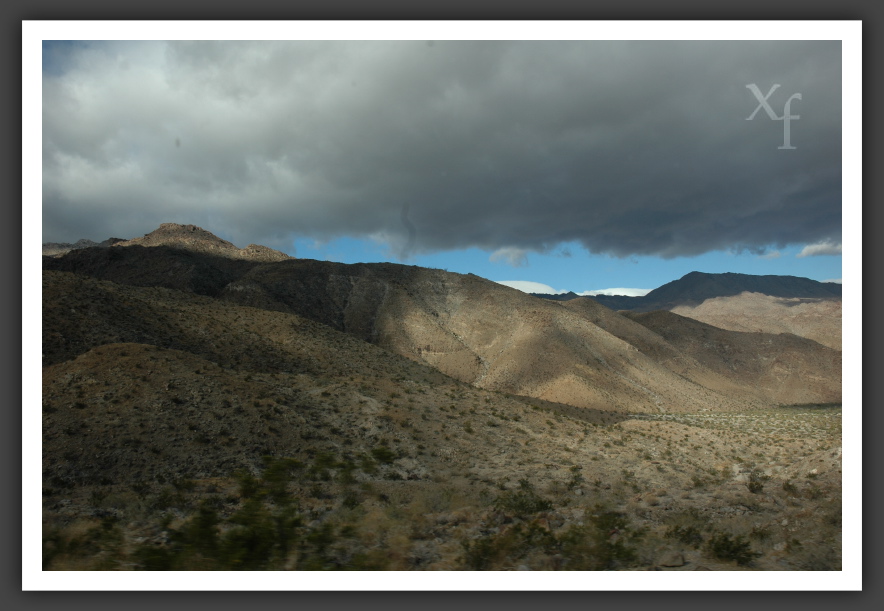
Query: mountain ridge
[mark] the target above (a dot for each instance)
(696, 287)
(475, 330)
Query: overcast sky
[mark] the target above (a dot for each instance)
(516, 150)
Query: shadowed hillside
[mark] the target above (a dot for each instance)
(784, 367)
(472, 329)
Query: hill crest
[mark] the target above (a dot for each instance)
(193, 238)
(475, 330)
(694, 288)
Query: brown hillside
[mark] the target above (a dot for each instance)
(816, 319)
(785, 367)
(663, 352)
(481, 333)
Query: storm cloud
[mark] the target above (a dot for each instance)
(629, 148)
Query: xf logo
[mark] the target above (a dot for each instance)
(787, 111)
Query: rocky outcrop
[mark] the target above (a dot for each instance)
(197, 239)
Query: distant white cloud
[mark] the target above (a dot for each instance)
(774, 254)
(619, 291)
(822, 248)
(835, 280)
(527, 286)
(517, 257)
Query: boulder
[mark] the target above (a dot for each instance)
(671, 558)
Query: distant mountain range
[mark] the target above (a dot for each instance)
(60, 248)
(478, 331)
(696, 287)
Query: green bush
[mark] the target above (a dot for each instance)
(605, 543)
(736, 549)
(258, 536)
(576, 477)
(249, 545)
(278, 472)
(384, 455)
(756, 481)
(689, 535)
(249, 485)
(507, 548)
(479, 553)
(368, 465)
(522, 502)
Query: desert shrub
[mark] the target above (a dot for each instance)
(184, 485)
(689, 535)
(383, 454)
(166, 498)
(833, 517)
(154, 558)
(522, 502)
(249, 544)
(100, 544)
(201, 532)
(698, 482)
(630, 480)
(606, 543)
(322, 464)
(760, 533)
(576, 477)
(368, 465)
(351, 500)
(345, 472)
(755, 487)
(756, 481)
(325, 549)
(277, 474)
(508, 547)
(735, 549)
(253, 538)
(249, 486)
(814, 492)
(478, 554)
(53, 544)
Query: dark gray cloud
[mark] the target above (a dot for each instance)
(628, 148)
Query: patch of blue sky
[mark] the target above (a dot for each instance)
(571, 268)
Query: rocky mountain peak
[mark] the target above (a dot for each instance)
(193, 238)
(190, 237)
